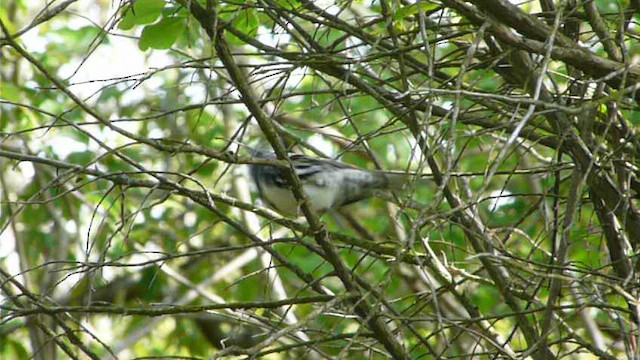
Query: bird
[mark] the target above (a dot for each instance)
(328, 184)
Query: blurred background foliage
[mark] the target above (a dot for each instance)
(108, 243)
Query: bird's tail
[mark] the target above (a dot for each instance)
(400, 181)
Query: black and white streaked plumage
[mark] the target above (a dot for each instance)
(328, 184)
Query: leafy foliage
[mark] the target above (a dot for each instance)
(128, 228)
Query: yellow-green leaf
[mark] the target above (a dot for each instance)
(413, 9)
(140, 13)
(162, 34)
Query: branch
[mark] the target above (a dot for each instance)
(168, 310)
(364, 310)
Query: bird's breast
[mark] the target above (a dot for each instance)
(321, 198)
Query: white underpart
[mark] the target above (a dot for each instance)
(321, 198)
(282, 199)
(322, 193)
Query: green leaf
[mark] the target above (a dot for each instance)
(246, 21)
(140, 13)
(10, 92)
(80, 157)
(289, 4)
(19, 350)
(162, 34)
(81, 37)
(11, 28)
(413, 9)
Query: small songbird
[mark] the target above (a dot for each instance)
(328, 184)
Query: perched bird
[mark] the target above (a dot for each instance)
(328, 184)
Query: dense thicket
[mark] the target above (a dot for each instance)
(128, 228)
